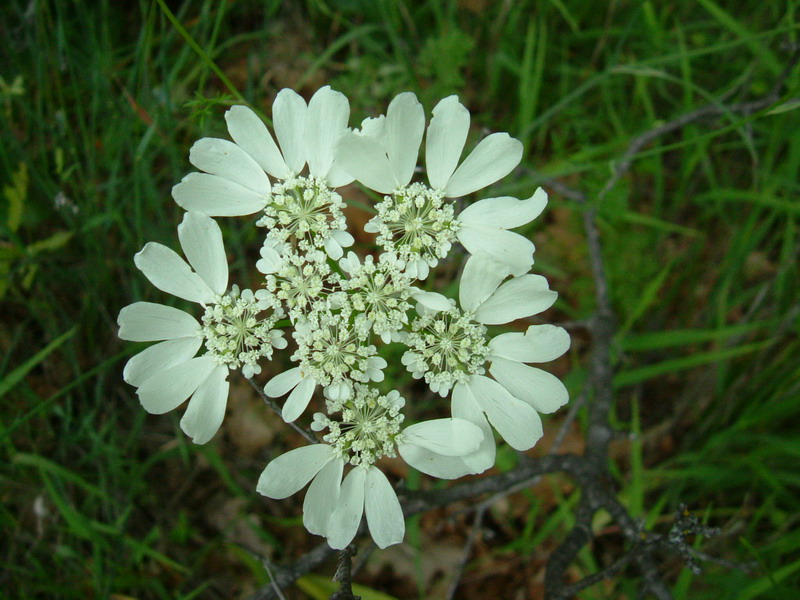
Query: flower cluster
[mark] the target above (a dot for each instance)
(340, 310)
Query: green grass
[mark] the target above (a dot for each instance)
(98, 108)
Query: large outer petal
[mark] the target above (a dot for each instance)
(160, 357)
(298, 400)
(384, 514)
(282, 383)
(229, 161)
(206, 408)
(201, 240)
(346, 517)
(445, 140)
(405, 124)
(326, 121)
(169, 388)
(464, 406)
(515, 299)
(542, 390)
(216, 196)
(170, 273)
(518, 423)
(365, 159)
(150, 322)
(289, 122)
(448, 437)
(493, 158)
(540, 343)
(322, 496)
(504, 212)
(481, 277)
(290, 472)
(250, 134)
(437, 465)
(505, 247)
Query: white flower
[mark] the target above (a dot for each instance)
(330, 353)
(414, 221)
(369, 429)
(168, 373)
(449, 348)
(303, 208)
(379, 293)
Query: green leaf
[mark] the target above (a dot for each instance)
(321, 588)
(17, 374)
(54, 242)
(16, 194)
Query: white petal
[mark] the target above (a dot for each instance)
(515, 299)
(540, 343)
(515, 421)
(298, 400)
(229, 161)
(436, 465)
(322, 496)
(332, 248)
(337, 176)
(504, 246)
(481, 277)
(326, 120)
(447, 133)
(201, 240)
(346, 517)
(250, 134)
(149, 322)
(282, 383)
(464, 406)
(168, 389)
(504, 212)
(405, 124)
(160, 357)
(206, 409)
(542, 390)
(493, 158)
(384, 514)
(270, 260)
(449, 437)
(432, 300)
(216, 196)
(365, 159)
(170, 273)
(290, 472)
(289, 122)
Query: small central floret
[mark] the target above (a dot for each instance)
(303, 211)
(235, 336)
(416, 224)
(332, 352)
(379, 293)
(301, 281)
(367, 427)
(445, 348)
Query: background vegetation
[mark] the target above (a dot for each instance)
(99, 104)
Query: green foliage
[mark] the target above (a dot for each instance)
(99, 104)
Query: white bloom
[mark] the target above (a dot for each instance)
(414, 221)
(379, 293)
(330, 353)
(369, 429)
(449, 348)
(167, 373)
(301, 207)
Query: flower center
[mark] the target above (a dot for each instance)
(446, 348)
(234, 335)
(416, 223)
(367, 427)
(303, 211)
(331, 351)
(379, 292)
(302, 280)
